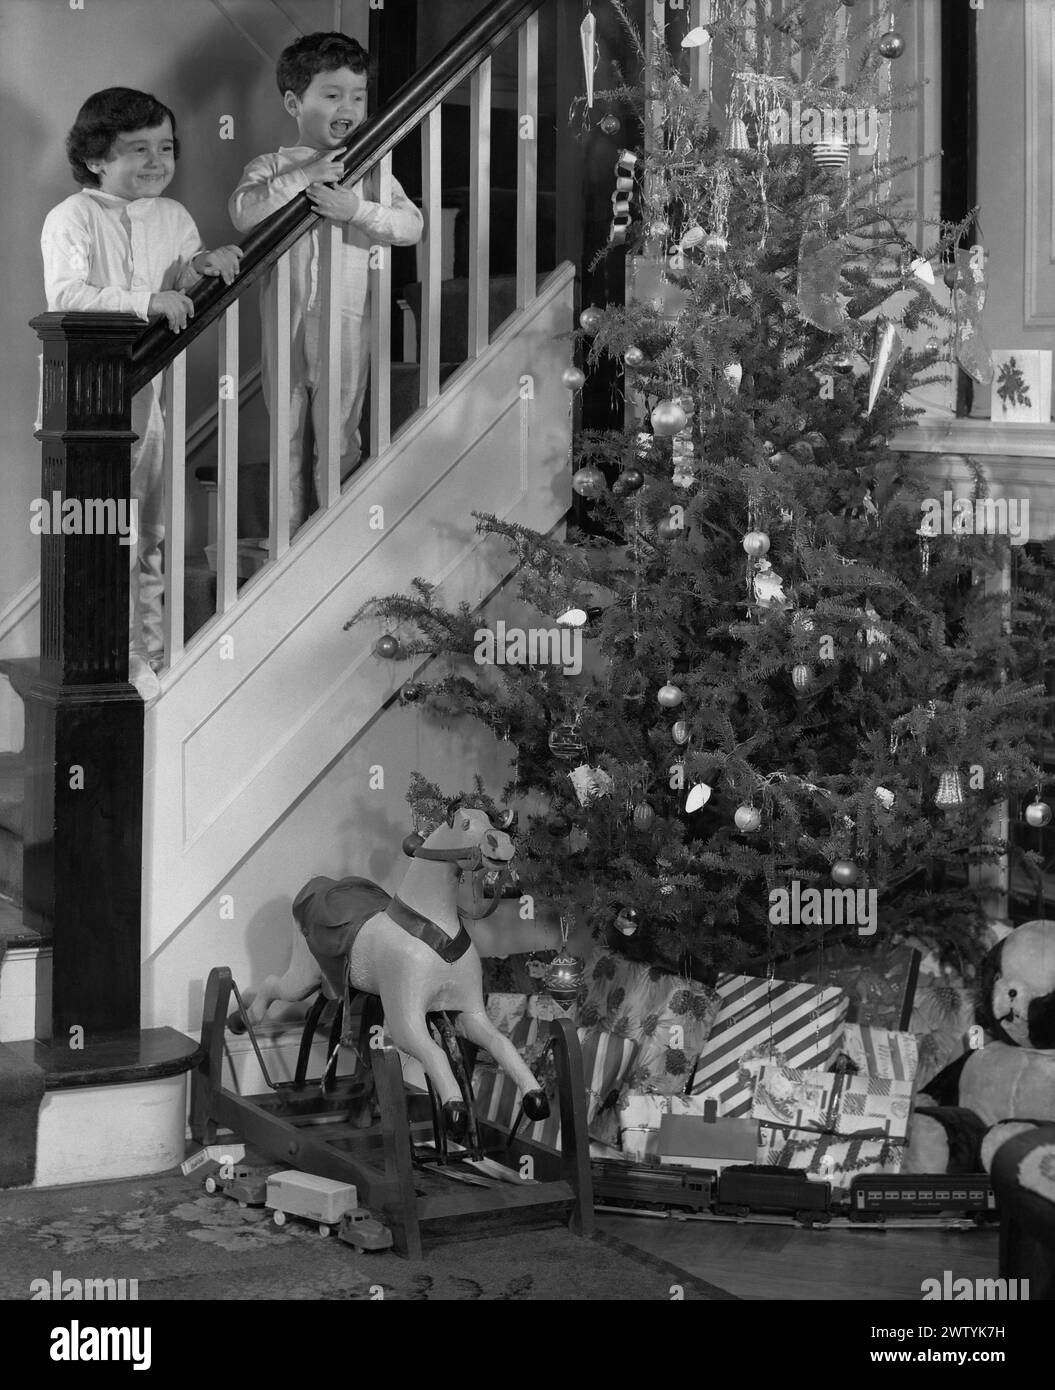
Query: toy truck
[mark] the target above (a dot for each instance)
(359, 1229)
(243, 1185)
(312, 1198)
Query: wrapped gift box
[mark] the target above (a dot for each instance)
(826, 1158)
(759, 1018)
(640, 1113)
(641, 1119)
(696, 1141)
(879, 983)
(506, 1010)
(606, 1062)
(827, 1103)
(669, 1016)
(519, 974)
(879, 1052)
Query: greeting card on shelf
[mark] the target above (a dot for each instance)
(1021, 386)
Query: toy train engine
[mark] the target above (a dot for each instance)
(744, 1190)
(646, 1185)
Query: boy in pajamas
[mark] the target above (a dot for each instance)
(323, 82)
(118, 246)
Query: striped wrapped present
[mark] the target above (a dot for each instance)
(878, 1052)
(606, 1063)
(762, 1020)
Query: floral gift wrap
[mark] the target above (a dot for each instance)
(830, 1103)
(758, 1019)
(826, 1158)
(669, 1016)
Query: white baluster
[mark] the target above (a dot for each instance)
(175, 401)
(432, 261)
(278, 407)
(480, 208)
(331, 243)
(527, 159)
(227, 465)
(381, 328)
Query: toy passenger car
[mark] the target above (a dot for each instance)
(321, 1200)
(246, 1187)
(359, 1228)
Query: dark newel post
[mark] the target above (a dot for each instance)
(84, 722)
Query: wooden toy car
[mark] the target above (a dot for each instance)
(360, 1229)
(245, 1186)
(322, 1200)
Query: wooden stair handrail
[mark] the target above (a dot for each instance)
(157, 346)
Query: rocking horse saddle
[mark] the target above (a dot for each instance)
(330, 913)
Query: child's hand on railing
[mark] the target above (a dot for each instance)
(172, 305)
(340, 204)
(328, 168)
(224, 261)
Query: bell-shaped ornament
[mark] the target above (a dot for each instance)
(950, 788)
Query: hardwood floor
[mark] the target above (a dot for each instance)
(788, 1263)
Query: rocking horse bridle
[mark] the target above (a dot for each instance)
(424, 928)
(473, 859)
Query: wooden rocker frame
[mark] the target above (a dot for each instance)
(308, 1128)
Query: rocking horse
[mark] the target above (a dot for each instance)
(413, 952)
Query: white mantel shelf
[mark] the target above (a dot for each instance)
(979, 438)
(1018, 461)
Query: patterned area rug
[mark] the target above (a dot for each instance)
(180, 1243)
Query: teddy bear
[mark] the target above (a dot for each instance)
(994, 1091)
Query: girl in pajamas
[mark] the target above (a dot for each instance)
(118, 246)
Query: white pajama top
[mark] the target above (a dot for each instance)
(104, 254)
(270, 181)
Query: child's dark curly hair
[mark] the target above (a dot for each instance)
(105, 116)
(315, 53)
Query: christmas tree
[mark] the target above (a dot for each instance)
(799, 681)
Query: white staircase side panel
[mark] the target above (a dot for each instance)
(25, 993)
(271, 694)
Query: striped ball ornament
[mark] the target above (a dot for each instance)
(831, 154)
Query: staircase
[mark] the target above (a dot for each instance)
(260, 757)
